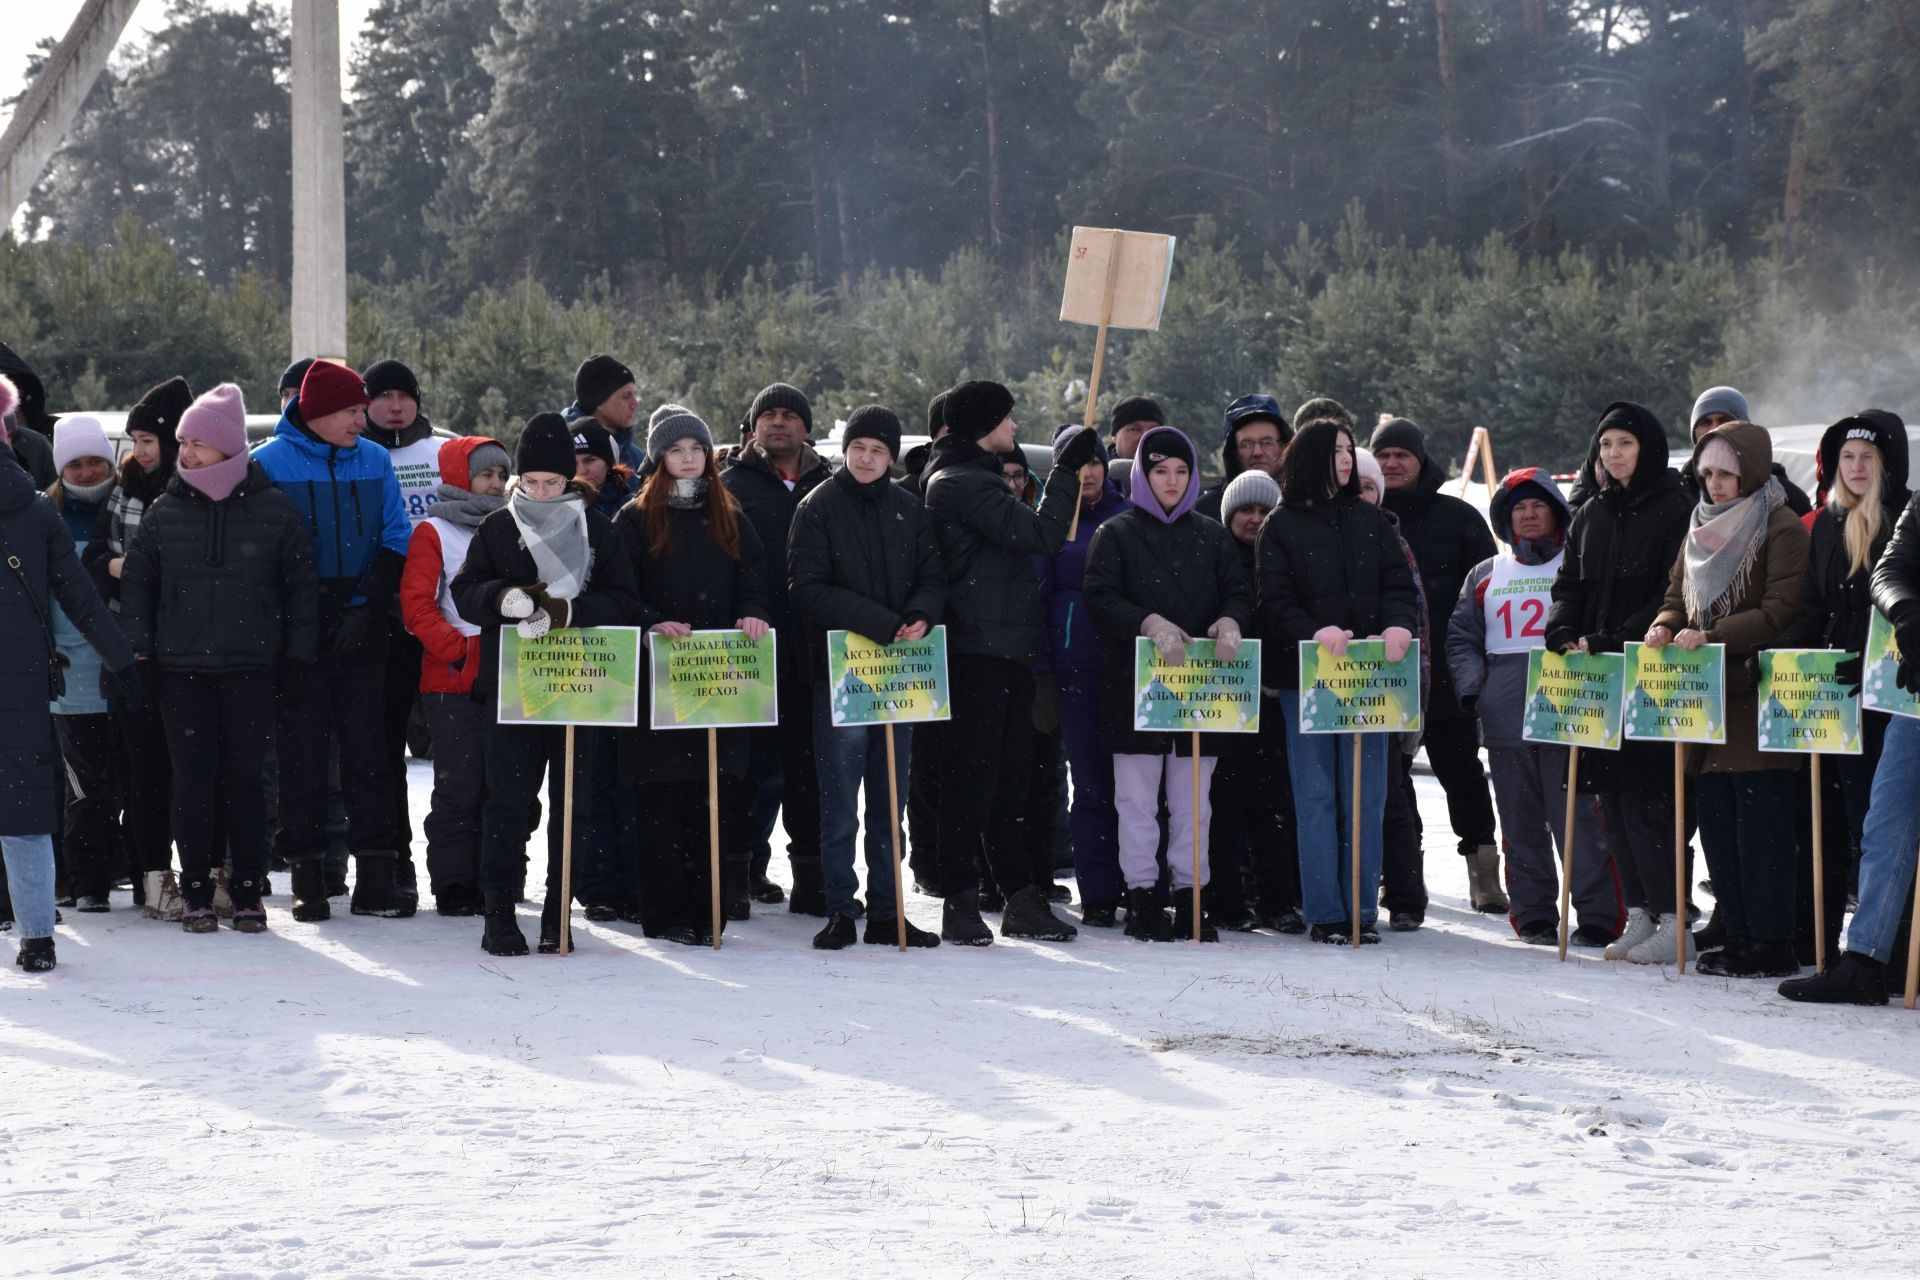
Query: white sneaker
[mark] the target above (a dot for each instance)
(222, 894)
(163, 897)
(1640, 927)
(1659, 946)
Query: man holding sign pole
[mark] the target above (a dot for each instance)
(545, 562)
(996, 628)
(1162, 570)
(861, 558)
(1330, 570)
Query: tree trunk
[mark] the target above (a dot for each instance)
(1450, 149)
(1654, 102)
(1533, 113)
(992, 99)
(1740, 167)
(816, 189)
(1793, 205)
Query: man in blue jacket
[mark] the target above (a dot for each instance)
(351, 502)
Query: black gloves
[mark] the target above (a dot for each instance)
(357, 633)
(1847, 671)
(1906, 634)
(1077, 452)
(1752, 668)
(126, 687)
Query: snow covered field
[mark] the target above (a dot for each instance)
(379, 1098)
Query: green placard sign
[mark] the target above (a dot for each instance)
(712, 680)
(1204, 694)
(1361, 692)
(1803, 705)
(900, 683)
(1574, 699)
(1675, 694)
(580, 675)
(1879, 683)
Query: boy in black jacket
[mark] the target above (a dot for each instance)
(861, 557)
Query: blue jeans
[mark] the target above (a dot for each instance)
(1321, 766)
(30, 883)
(843, 759)
(1887, 844)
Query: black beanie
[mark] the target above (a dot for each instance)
(873, 422)
(1399, 433)
(781, 396)
(1156, 445)
(159, 413)
(936, 415)
(296, 374)
(546, 444)
(1134, 409)
(590, 437)
(976, 408)
(391, 375)
(597, 378)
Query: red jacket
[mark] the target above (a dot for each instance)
(450, 660)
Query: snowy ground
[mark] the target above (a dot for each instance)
(372, 1097)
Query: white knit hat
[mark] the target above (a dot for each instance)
(79, 436)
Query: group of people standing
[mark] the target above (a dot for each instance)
(232, 644)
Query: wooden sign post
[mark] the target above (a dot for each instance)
(1481, 447)
(1114, 278)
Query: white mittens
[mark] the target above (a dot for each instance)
(515, 603)
(534, 627)
(1226, 635)
(1170, 640)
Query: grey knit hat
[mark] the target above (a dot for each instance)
(1249, 488)
(664, 412)
(665, 432)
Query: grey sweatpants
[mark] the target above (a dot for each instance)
(1530, 790)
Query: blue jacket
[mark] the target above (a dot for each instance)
(1072, 640)
(82, 697)
(351, 504)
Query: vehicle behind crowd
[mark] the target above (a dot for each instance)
(229, 626)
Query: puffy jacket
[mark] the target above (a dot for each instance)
(33, 533)
(1073, 638)
(221, 586)
(861, 557)
(1336, 563)
(768, 505)
(1834, 613)
(1761, 609)
(449, 644)
(693, 582)
(987, 539)
(1190, 573)
(497, 559)
(351, 503)
(1448, 538)
(117, 521)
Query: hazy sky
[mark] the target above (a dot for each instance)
(29, 20)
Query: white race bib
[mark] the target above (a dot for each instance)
(1515, 605)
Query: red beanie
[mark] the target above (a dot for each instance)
(330, 387)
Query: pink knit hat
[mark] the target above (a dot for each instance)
(9, 401)
(218, 418)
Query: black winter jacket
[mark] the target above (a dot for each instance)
(221, 586)
(33, 532)
(693, 582)
(1448, 538)
(769, 506)
(1620, 551)
(861, 557)
(1836, 607)
(1896, 575)
(987, 540)
(497, 559)
(1190, 573)
(1333, 564)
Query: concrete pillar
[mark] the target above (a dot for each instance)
(47, 109)
(319, 184)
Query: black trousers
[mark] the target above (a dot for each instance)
(218, 727)
(986, 767)
(923, 802)
(90, 746)
(1453, 750)
(453, 824)
(1252, 852)
(399, 692)
(675, 859)
(1403, 867)
(1639, 823)
(518, 757)
(1040, 820)
(782, 767)
(322, 705)
(149, 790)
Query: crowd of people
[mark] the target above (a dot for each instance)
(224, 652)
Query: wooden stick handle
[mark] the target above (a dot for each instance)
(1819, 876)
(1355, 833)
(893, 814)
(1073, 528)
(713, 827)
(1913, 946)
(566, 854)
(1566, 847)
(1196, 835)
(1680, 856)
